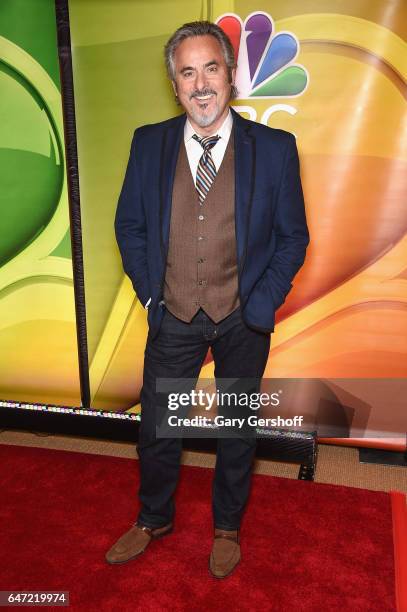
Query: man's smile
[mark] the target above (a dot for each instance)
(207, 97)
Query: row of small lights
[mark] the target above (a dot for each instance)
(62, 409)
(290, 434)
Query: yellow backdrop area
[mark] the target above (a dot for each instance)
(38, 347)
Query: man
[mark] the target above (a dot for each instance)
(211, 228)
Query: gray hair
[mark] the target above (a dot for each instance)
(201, 28)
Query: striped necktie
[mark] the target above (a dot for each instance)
(206, 172)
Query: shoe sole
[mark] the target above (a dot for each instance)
(157, 537)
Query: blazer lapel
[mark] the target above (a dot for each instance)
(245, 164)
(170, 145)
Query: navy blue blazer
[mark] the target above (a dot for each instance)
(270, 222)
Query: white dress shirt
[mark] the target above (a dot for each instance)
(195, 150)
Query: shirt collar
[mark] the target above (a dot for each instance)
(224, 130)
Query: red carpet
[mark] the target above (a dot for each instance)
(399, 508)
(305, 546)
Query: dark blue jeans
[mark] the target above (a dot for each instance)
(178, 351)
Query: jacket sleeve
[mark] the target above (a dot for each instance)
(130, 225)
(290, 226)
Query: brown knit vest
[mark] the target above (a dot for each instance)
(202, 263)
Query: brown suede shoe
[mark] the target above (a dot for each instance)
(134, 542)
(225, 553)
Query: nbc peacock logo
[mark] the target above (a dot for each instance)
(266, 65)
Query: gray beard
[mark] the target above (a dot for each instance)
(205, 120)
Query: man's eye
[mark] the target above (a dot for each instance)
(187, 74)
(213, 68)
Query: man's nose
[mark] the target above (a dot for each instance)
(200, 82)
